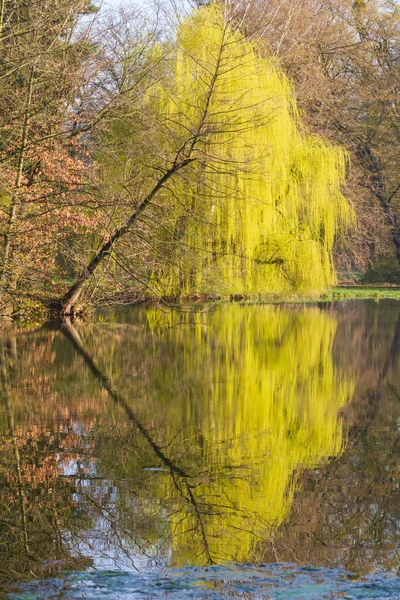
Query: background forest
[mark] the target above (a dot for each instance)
(231, 148)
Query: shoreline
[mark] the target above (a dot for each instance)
(29, 311)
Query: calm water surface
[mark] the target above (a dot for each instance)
(239, 451)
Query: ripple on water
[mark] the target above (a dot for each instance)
(261, 582)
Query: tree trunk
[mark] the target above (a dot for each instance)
(377, 186)
(12, 218)
(67, 305)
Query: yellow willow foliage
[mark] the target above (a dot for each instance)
(261, 207)
(267, 400)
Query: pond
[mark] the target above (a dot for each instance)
(247, 451)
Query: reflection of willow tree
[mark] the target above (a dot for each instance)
(261, 399)
(352, 522)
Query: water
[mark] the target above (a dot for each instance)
(239, 451)
(258, 582)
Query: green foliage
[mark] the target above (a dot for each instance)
(384, 271)
(261, 206)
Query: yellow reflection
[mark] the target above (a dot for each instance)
(267, 400)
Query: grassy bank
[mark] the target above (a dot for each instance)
(354, 292)
(336, 294)
(28, 310)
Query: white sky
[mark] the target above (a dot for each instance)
(107, 4)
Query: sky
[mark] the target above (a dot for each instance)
(107, 4)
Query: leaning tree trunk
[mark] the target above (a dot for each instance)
(67, 305)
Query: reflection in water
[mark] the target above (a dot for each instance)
(36, 493)
(265, 401)
(170, 438)
(346, 513)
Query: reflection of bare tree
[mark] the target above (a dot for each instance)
(346, 515)
(6, 358)
(394, 352)
(179, 476)
(32, 516)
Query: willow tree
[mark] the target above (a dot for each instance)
(246, 201)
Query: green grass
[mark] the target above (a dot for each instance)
(335, 294)
(362, 293)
